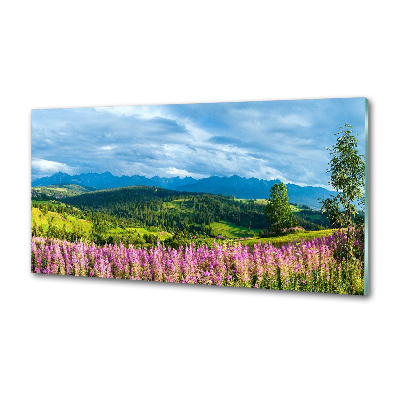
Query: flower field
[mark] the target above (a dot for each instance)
(333, 264)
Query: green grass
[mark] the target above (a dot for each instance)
(232, 231)
(162, 235)
(35, 201)
(182, 206)
(116, 230)
(178, 204)
(265, 201)
(257, 201)
(70, 222)
(280, 240)
(58, 220)
(171, 204)
(312, 217)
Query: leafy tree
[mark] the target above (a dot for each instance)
(347, 170)
(278, 210)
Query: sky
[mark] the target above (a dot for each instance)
(283, 140)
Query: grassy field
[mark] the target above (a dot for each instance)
(69, 221)
(222, 228)
(232, 231)
(178, 204)
(179, 207)
(162, 235)
(312, 215)
(280, 240)
(265, 201)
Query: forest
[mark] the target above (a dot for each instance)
(168, 209)
(115, 215)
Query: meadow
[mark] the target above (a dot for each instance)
(147, 233)
(290, 238)
(55, 219)
(322, 264)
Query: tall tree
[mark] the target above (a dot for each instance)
(278, 210)
(347, 168)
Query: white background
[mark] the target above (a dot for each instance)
(77, 338)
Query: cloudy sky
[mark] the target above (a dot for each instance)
(283, 140)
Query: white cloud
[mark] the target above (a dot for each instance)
(266, 140)
(50, 167)
(145, 112)
(197, 134)
(294, 120)
(182, 173)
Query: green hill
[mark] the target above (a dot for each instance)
(171, 210)
(195, 213)
(57, 220)
(59, 191)
(143, 215)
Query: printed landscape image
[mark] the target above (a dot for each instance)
(267, 194)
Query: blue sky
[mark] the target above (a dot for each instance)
(283, 140)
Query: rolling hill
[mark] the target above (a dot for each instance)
(153, 206)
(61, 190)
(245, 188)
(195, 212)
(141, 215)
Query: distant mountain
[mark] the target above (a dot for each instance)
(242, 188)
(108, 181)
(253, 188)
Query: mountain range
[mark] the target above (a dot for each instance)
(242, 188)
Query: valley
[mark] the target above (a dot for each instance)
(142, 216)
